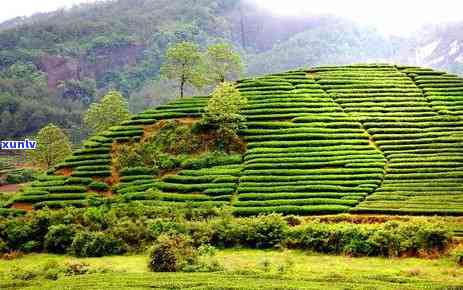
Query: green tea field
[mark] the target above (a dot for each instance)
(358, 139)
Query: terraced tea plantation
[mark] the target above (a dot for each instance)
(361, 139)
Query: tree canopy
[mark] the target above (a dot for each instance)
(223, 64)
(183, 63)
(52, 146)
(110, 111)
(224, 105)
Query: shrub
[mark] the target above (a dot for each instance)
(25, 275)
(17, 233)
(21, 176)
(432, 237)
(159, 227)
(98, 218)
(134, 233)
(96, 244)
(76, 268)
(223, 112)
(292, 220)
(171, 253)
(52, 269)
(259, 232)
(59, 238)
(266, 231)
(389, 240)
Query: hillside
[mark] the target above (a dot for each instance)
(360, 139)
(53, 65)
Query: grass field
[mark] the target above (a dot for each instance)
(244, 269)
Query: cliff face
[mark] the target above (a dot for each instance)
(60, 68)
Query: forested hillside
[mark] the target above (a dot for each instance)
(53, 65)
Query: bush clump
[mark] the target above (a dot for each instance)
(96, 244)
(117, 228)
(171, 253)
(59, 238)
(20, 176)
(391, 239)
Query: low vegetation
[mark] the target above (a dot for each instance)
(108, 230)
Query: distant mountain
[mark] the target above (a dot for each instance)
(440, 47)
(329, 41)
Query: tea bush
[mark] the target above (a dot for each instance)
(98, 185)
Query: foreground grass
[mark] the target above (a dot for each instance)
(246, 269)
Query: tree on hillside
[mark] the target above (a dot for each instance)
(222, 63)
(110, 111)
(183, 64)
(81, 90)
(52, 146)
(223, 112)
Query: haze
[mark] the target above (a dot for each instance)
(14, 8)
(390, 17)
(397, 17)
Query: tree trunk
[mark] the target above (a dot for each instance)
(182, 84)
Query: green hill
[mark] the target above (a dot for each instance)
(360, 139)
(53, 65)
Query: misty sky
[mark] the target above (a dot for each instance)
(13, 8)
(389, 16)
